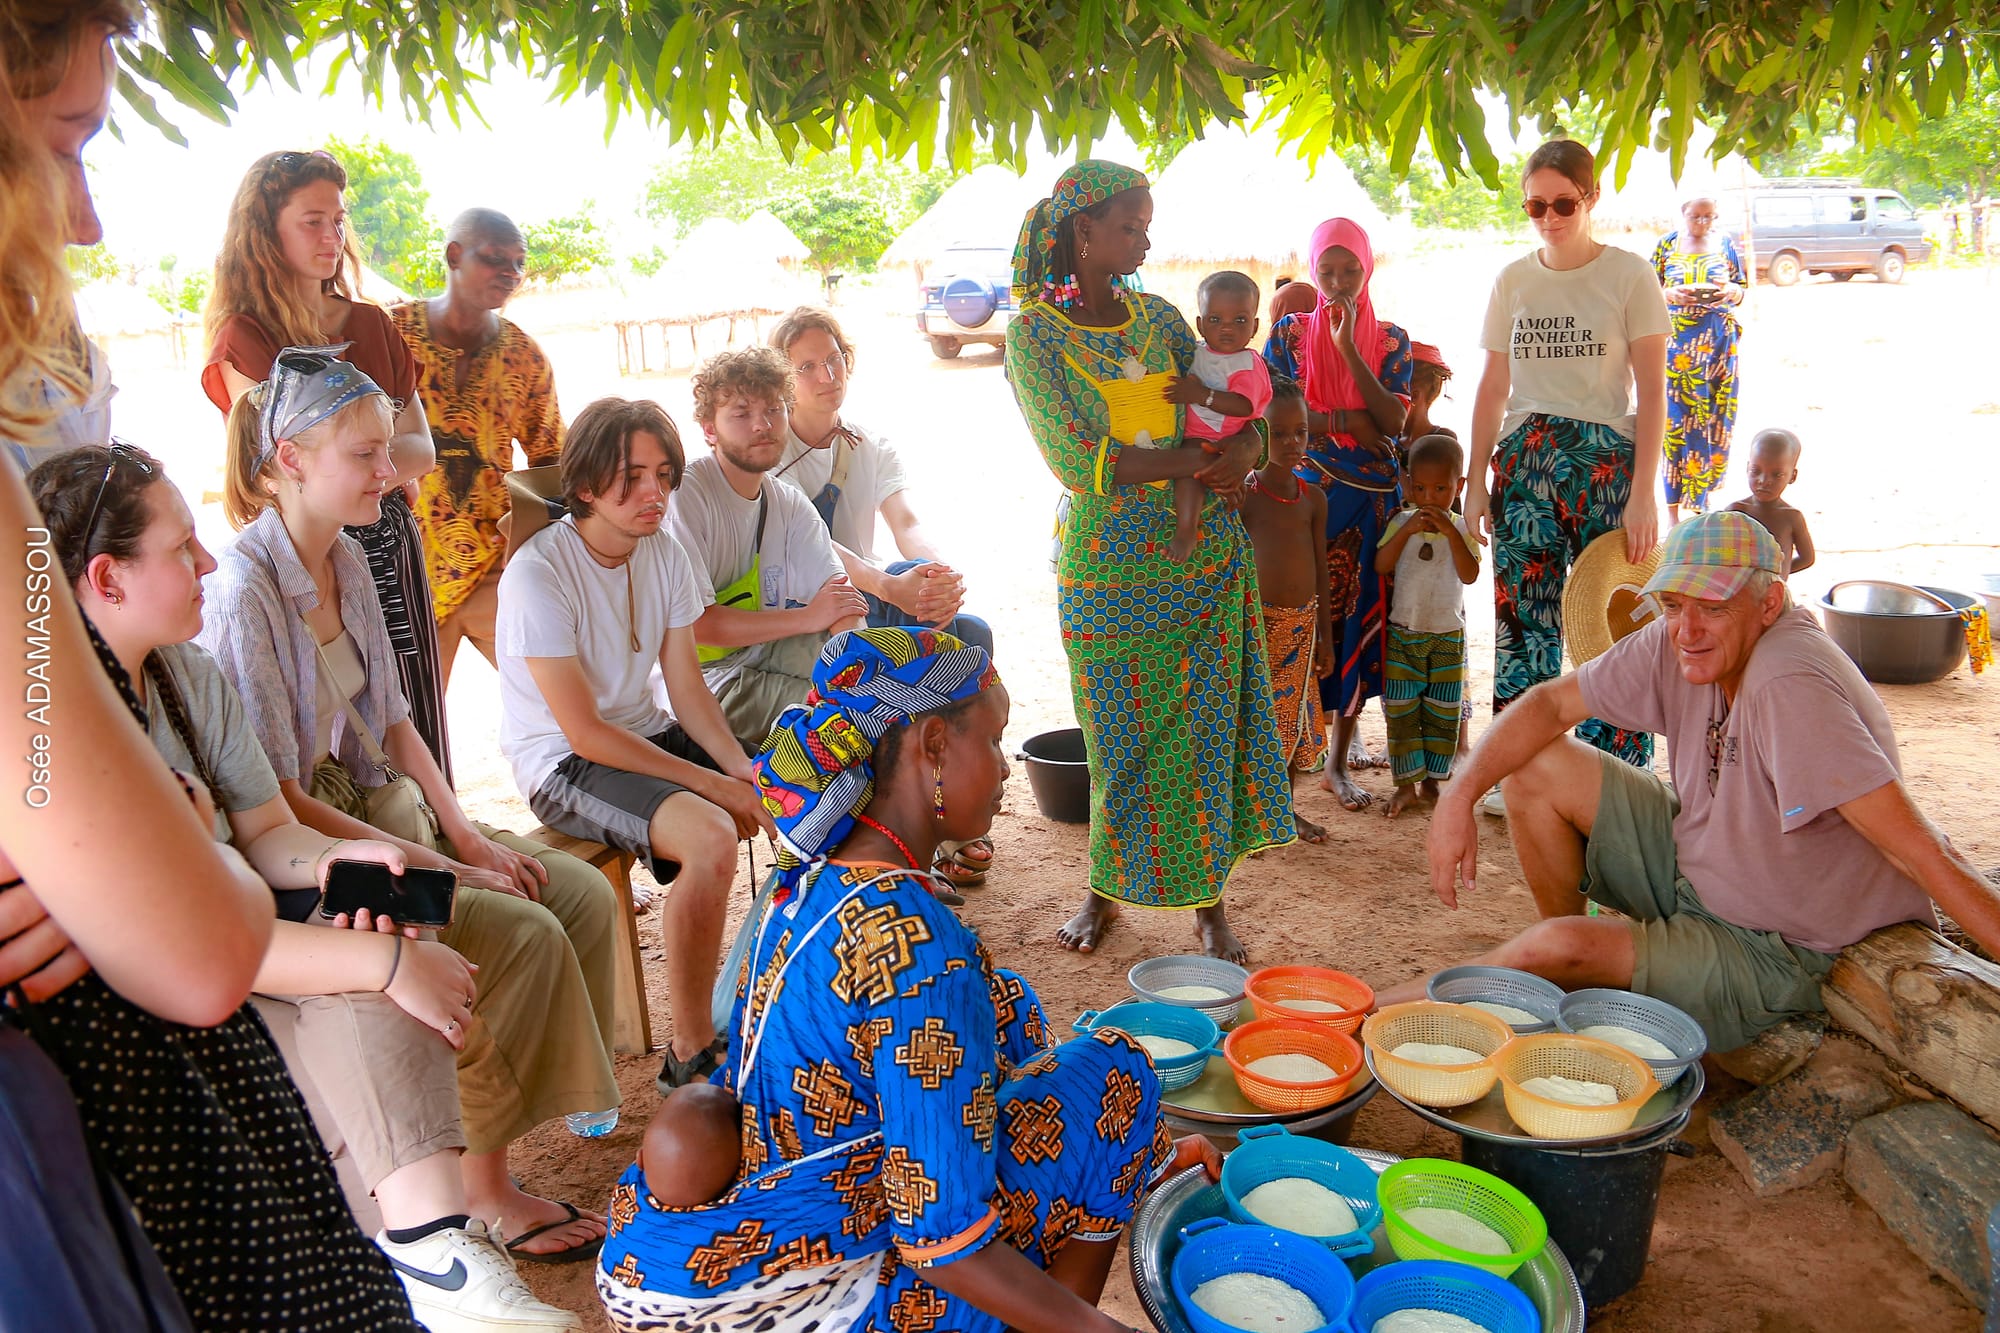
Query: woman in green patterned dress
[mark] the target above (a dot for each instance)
(1166, 659)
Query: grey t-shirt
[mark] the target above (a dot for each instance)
(1768, 849)
(215, 711)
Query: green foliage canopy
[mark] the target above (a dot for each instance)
(566, 246)
(388, 210)
(845, 218)
(1952, 159)
(897, 77)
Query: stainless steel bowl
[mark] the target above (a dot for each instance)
(1896, 635)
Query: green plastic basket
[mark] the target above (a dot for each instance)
(1427, 1182)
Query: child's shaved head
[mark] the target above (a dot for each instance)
(1777, 443)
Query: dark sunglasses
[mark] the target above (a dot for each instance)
(1540, 208)
(306, 363)
(293, 161)
(120, 452)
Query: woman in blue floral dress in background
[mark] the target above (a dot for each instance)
(1704, 281)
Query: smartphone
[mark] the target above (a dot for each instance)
(414, 898)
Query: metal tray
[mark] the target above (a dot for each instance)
(1487, 1118)
(1547, 1279)
(1215, 1098)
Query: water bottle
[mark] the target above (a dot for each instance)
(592, 1124)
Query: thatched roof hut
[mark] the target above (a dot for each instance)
(1239, 199)
(762, 233)
(982, 208)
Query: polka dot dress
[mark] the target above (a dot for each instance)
(213, 1144)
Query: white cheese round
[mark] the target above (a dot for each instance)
(1293, 1203)
(1641, 1045)
(1573, 1091)
(1292, 1067)
(1457, 1230)
(1258, 1304)
(1436, 1053)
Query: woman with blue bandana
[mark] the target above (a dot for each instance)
(914, 1155)
(294, 624)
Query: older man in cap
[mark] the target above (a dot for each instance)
(1785, 836)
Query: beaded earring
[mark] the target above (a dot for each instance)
(937, 796)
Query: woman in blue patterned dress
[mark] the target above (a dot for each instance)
(1355, 370)
(916, 1158)
(1704, 281)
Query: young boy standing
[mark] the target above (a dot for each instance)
(1774, 465)
(1287, 523)
(1431, 556)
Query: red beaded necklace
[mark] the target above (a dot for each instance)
(1298, 489)
(901, 846)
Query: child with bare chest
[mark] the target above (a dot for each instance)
(1774, 465)
(1287, 525)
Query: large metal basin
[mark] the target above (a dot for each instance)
(1191, 1196)
(1893, 635)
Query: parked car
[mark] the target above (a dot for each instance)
(1835, 227)
(967, 299)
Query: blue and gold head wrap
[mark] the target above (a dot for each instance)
(816, 772)
(1085, 185)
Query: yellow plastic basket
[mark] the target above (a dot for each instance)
(1436, 1024)
(1570, 1056)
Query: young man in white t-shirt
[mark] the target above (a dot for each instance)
(851, 474)
(763, 564)
(590, 608)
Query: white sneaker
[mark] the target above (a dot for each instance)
(1493, 803)
(462, 1281)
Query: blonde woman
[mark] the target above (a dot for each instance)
(287, 277)
(128, 938)
(294, 625)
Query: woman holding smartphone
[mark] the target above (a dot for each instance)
(368, 1018)
(296, 628)
(1573, 328)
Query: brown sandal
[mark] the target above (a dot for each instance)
(964, 866)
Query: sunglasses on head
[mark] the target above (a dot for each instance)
(293, 161)
(120, 452)
(1540, 208)
(306, 363)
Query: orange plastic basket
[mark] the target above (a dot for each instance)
(1270, 988)
(1289, 1036)
(1434, 1022)
(1571, 1056)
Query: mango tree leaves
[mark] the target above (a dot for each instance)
(887, 78)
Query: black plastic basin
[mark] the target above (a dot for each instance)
(1059, 775)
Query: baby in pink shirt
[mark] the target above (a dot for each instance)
(1226, 385)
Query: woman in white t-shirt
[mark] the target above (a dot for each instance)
(1571, 331)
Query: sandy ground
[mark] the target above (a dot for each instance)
(1890, 388)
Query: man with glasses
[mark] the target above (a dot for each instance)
(851, 474)
(1786, 836)
(485, 386)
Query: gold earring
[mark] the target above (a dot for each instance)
(937, 795)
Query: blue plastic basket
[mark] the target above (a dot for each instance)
(1215, 1247)
(1494, 1304)
(1162, 1020)
(1272, 1152)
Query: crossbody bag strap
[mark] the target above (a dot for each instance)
(843, 458)
(369, 745)
(763, 512)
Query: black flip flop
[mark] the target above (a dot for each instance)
(574, 1254)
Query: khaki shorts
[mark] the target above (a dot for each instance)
(1734, 981)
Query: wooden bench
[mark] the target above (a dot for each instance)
(632, 1020)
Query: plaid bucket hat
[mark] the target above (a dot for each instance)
(1711, 556)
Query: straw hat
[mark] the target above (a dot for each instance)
(1604, 601)
(535, 494)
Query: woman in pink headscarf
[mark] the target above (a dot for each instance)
(1355, 370)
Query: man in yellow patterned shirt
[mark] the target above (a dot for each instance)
(486, 385)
